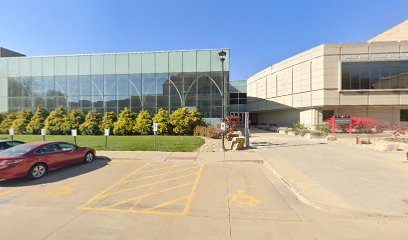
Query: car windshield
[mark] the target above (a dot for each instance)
(17, 150)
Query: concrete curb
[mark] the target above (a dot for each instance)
(344, 210)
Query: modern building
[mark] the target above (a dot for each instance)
(111, 82)
(365, 79)
(238, 98)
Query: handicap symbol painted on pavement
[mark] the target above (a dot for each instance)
(242, 198)
(64, 190)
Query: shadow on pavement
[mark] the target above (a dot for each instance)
(59, 174)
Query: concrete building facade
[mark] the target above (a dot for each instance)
(367, 79)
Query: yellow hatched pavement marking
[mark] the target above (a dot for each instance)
(113, 185)
(146, 185)
(152, 186)
(158, 175)
(149, 194)
(152, 210)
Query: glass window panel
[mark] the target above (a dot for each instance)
(97, 64)
(13, 70)
(149, 90)
(49, 86)
(4, 89)
(135, 63)
(73, 102)
(162, 81)
(97, 101)
(122, 82)
(48, 66)
(97, 85)
(85, 85)
(84, 65)
(135, 82)
(176, 90)
(3, 67)
(37, 86)
(175, 61)
(216, 64)
(122, 63)
(61, 101)
(148, 62)
(123, 101)
(36, 66)
(404, 75)
(190, 88)
(110, 84)
(162, 62)
(110, 102)
(109, 64)
(85, 101)
(355, 79)
(61, 86)
(72, 86)
(38, 101)
(60, 66)
(203, 61)
(190, 61)
(72, 65)
(25, 67)
(50, 103)
(135, 101)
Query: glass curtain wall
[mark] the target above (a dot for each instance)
(375, 75)
(111, 82)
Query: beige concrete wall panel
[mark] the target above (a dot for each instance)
(353, 99)
(384, 99)
(384, 48)
(354, 49)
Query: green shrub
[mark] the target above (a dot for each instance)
(2, 117)
(6, 123)
(92, 123)
(143, 123)
(56, 122)
(180, 122)
(324, 128)
(22, 120)
(126, 123)
(195, 119)
(75, 118)
(37, 121)
(163, 122)
(108, 121)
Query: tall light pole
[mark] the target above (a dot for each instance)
(222, 55)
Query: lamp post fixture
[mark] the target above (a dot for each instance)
(222, 55)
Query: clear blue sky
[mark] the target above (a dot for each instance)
(259, 33)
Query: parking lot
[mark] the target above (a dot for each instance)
(179, 199)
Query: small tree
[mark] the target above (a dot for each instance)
(2, 117)
(56, 121)
(22, 120)
(195, 120)
(179, 121)
(231, 122)
(37, 121)
(143, 123)
(6, 123)
(75, 118)
(92, 124)
(163, 122)
(108, 121)
(126, 123)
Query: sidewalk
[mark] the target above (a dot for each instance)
(336, 176)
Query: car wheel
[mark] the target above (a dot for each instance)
(38, 171)
(89, 157)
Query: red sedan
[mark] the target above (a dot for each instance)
(35, 159)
